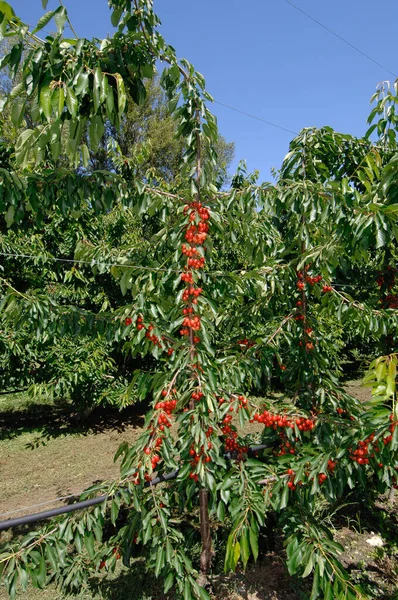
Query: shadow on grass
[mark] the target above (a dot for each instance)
(133, 584)
(53, 420)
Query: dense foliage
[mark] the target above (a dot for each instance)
(234, 288)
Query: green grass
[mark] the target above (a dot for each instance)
(20, 402)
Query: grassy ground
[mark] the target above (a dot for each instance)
(45, 453)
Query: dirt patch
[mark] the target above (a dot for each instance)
(267, 580)
(356, 389)
(57, 458)
(357, 549)
(375, 567)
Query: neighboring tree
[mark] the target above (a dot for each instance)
(151, 127)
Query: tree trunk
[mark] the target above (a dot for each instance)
(207, 552)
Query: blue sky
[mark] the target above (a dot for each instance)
(267, 59)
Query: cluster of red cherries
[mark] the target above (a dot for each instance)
(367, 448)
(322, 477)
(161, 421)
(388, 438)
(117, 554)
(309, 344)
(281, 421)
(361, 453)
(195, 235)
(140, 325)
(303, 278)
(229, 431)
(151, 336)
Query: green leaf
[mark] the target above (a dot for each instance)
(110, 102)
(284, 497)
(147, 71)
(160, 560)
(228, 554)
(45, 101)
(23, 578)
(96, 131)
(9, 216)
(221, 511)
(60, 18)
(236, 554)
(18, 111)
(7, 10)
(114, 511)
(89, 543)
(41, 575)
(42, 22)
(245, 546)
(52, 558)
(82, 84)
(168, 583)
(115, 17)
(380, 237)
(121, 94)
(105, 89)
(253, 537)
(98, 77)
(85, 155)
(61, 101)
(71, 101)
(315, 584)
(44, 4)
(187, 590)
(123, 448)
(309, 566)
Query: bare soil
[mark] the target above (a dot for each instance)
(47, 455)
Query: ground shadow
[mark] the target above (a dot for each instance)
(136, 583)
(51, 421)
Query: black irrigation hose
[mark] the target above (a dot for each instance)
(54, 512)
(48, 514)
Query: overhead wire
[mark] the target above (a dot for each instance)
(263, 270)
(270, 123)
(340, 37)
(40, 504)
(127, 266)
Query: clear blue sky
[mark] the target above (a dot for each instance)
(267, 59)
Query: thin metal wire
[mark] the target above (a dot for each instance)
(357, 140)
(158, 269)
(340, 37)
(38, 505)
(255, 117)
(142, 267)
